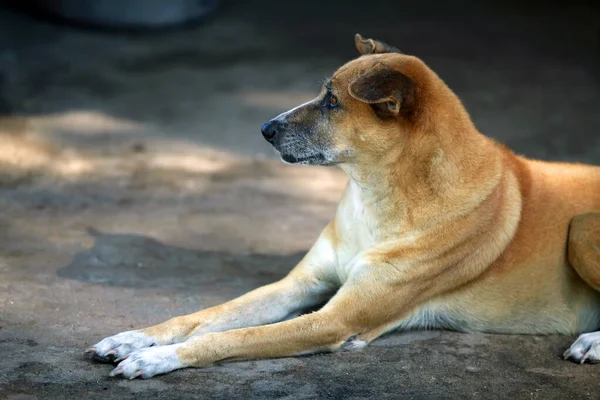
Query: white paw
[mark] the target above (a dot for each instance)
(585, 348)
(120, 345)
(148, 362)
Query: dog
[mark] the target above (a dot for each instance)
(439, 227)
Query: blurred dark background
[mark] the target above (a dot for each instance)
(135, 184)
(528, 71)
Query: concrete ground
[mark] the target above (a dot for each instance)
(135, 186)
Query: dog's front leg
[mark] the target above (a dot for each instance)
(373, 300)
(329, 329)
(300, 290)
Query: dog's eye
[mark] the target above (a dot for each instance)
(332, 102)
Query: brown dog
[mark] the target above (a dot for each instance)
(439, 227)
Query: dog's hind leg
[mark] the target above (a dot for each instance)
(584, 257)
(584, 247)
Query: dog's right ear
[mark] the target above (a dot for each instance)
(387, 90)
(370, 46)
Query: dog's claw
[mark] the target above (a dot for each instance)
(121, 358)
(115, 372)
(137, 374)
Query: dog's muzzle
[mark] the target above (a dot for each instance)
(292, 143)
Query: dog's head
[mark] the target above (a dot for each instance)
(360, 113)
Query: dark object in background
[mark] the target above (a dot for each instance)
(126, 14)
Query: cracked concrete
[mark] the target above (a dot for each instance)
(135, 186)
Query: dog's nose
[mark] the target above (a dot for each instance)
(269, 130)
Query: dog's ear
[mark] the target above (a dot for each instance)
(370, 46)
(387, 90)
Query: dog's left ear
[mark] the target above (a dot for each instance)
(370, 46)
(387, 90)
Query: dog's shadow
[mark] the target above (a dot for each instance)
(138, 261)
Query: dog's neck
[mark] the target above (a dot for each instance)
(372, 184)
(423, 184)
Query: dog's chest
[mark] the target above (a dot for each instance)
(356, 229)
(359, 215)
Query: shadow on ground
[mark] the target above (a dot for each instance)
(142, 262)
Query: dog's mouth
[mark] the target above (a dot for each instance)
(313, 159)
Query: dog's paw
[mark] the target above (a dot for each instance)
(146, 363)
(118, 346)
(585, 348)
